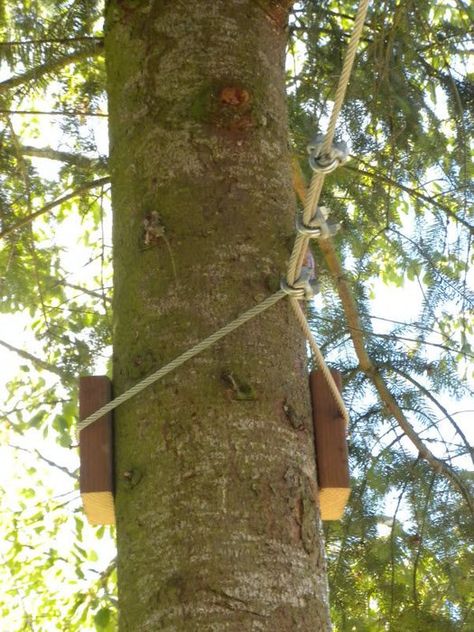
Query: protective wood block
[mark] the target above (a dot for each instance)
(332, 461)
(96, 480)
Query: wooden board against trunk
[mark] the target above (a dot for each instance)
(331, 447)
(96, 478)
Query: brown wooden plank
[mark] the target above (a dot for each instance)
(331, 447)
(96, 480)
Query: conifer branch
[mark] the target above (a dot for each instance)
(392, 541)
(366, 364)
(431, 397)
(369, 465)
(63, 156)
(412, 192)
(50, 66)
(54, 113)
(420, 535)
(51, 40)
(37, 362)
(399, 338)
(51, 205)
(353, 320)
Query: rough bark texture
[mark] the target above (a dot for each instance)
(216, 523)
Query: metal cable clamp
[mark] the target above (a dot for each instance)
(318, 228)
(304, 288)
(327, 162)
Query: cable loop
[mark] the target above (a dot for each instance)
(304, 288)
(318, 228)
(312, 232)
(328, 161)
(321, 164)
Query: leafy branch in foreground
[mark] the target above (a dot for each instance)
(50, 67)
(370, 369)
(54, 204)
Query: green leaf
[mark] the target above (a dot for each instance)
(102, 618)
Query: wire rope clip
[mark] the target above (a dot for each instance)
(304, 288)
(327, 162)
(318, 227)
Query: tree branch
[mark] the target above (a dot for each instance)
(368, 367)
(399, 338)
(412, 192)
(366, 364)
(54, 113)
(51, 66)
(84, 290)
(52, 40)
(37, 362)
(46, 460)
(430, 396)
(49, 207)
(64, 156)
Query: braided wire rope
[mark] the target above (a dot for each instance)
(320, 359)
(181, 359)
(294, 265)
(312, 198)
(317, 181)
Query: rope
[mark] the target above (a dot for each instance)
(346, 72)
(295, 263)
(184, 357)
(320, 359)
(317, 181)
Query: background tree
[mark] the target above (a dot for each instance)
(401, 557)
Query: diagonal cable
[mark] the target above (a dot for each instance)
(320, 359)
(181, 359)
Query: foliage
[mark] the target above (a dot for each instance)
(401, 557)
(55, 276)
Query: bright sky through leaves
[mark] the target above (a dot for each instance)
(403, 554)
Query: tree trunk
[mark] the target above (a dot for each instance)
(217, 526)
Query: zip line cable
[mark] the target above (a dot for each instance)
(317, 181)
(303, 321)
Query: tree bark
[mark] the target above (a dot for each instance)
(217, 525)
